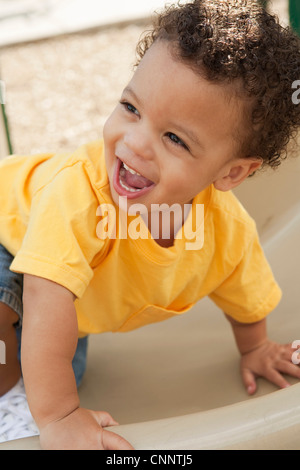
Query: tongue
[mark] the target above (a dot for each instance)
(136, 181)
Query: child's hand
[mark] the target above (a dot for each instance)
(269, 360)
(82, 430)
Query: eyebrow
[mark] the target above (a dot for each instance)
(189, 133)
(129, 90)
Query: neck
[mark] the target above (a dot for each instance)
(164, 224)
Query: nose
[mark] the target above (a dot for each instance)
(139, 143)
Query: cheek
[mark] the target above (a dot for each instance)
(111, 128)
(179, 177)
(189, 181)
(107, 129)
(108, 147)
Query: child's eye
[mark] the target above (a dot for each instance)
(129, 107)
(176, 140)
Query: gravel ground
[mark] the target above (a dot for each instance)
(60, 91)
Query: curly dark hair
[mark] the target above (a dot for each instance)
(238, 42)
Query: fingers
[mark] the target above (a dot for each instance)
(104, 419)
(287, 367)
(276, 378)
(272, 375)
(249, 381)
(112, 441)
(270, 362)
(289, 352)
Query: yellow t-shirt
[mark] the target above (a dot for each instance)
(51, 223)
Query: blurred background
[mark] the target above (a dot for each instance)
(64, 63)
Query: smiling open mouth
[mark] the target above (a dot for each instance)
(130, 183)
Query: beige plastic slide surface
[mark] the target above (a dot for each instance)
(176, 385)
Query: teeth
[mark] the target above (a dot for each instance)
(129, 189)
(131, 170)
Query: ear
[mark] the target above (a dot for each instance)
(238, 171)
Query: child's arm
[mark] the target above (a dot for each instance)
(49, 342)
(261, 357)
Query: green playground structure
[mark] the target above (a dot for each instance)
(5, 140)
(294, 12)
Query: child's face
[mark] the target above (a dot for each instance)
(172, 127)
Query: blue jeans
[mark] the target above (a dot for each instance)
(11, 291)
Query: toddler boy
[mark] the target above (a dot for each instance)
(208, 105)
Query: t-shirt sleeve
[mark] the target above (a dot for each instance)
(250, 292)
(61, 241)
